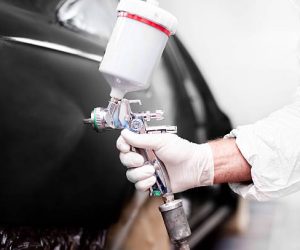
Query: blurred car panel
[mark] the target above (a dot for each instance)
(89, 16)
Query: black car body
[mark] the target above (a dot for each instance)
(57, 172)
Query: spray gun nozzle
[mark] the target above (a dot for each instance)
(88, 121)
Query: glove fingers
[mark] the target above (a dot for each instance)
(152, 141)
(138, 174)
(123, 146)
(144, 185)
(132, 159)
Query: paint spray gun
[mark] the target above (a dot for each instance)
(139, 37)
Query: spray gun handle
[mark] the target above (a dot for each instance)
(162, 186)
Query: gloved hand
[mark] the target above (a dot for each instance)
(188, 164)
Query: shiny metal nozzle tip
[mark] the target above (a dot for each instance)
(87, 121)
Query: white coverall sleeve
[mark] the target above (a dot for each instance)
(272, 148)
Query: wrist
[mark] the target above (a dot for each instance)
(229, 164)
(203, 166)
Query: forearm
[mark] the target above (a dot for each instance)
(229, 164)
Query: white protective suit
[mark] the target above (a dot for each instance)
(272, 148)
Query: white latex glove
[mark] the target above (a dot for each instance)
(188, 164)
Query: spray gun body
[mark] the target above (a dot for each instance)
(118, 115)
(136, 44)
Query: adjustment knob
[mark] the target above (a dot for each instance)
(136, 125)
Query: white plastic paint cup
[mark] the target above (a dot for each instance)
(139, 37)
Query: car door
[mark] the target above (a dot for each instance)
(54, 169)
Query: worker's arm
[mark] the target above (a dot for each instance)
(229, 163)
(188, 164)
(260, 161)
